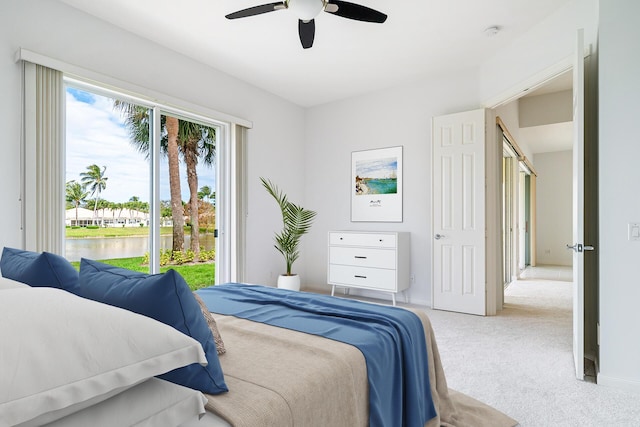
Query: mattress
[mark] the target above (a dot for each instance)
(152, 403)
(279, 377)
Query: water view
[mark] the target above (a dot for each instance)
(382, 186)
(100, 248)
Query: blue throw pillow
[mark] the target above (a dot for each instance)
(39, 269)
(166, 298)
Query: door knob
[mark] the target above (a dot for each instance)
(576, 248)
(579, 247)
(439, 236)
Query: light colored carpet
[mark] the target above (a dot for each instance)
(521, 361)
(548, 272)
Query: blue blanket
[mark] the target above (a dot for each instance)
(391, 340)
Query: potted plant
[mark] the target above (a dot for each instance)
(296, 222)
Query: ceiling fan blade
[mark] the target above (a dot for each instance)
(354, 11)
(307, 31)
(257, 10)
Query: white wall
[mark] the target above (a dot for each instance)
(402, 116)
(554, 207)
(619, 175)
(546, 109)
(541, 49)
(398, 116)
(61, 32)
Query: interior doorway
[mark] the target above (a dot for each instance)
(552, 96)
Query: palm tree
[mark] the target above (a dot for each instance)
(102, 205)
(195, 141)
(95, 181)
(177, 211)
(204, 193)
(137, 123)
(75, 194)
(119, 206)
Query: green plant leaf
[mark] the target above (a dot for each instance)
(296, 221)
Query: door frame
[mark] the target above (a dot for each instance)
(494, 269)
(495, 291)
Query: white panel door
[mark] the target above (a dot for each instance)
(458, 212)
(578, 206)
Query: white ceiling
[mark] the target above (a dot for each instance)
(420, 37)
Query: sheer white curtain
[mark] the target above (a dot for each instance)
(43, 159)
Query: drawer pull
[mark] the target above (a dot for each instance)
(360, 257)
(360, 277)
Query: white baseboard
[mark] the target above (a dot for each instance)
(608, 381)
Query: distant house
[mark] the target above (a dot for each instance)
(106, 217)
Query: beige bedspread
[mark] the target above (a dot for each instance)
(278, 377)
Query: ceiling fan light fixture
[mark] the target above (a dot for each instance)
(306, 10)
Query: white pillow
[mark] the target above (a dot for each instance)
(61, 353)
(10, 284)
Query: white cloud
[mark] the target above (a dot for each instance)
(96, 135)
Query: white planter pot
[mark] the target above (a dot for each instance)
(289, 282)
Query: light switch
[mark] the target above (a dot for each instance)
(634, 231)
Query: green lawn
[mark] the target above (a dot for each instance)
(197, 276)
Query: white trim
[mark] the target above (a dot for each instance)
(493, 216)
(535, 81)
(224, 207)
(141, 94)
(530, 84)
(154, 191)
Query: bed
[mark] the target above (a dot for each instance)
(270, 375)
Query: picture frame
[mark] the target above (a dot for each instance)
(376, 185)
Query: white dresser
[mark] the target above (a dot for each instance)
(374, 260)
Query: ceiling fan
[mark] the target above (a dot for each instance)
(307, 10)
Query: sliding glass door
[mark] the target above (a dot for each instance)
(141, 185)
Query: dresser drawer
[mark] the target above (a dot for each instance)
(376, 240)
(363, 277)
(363, 257)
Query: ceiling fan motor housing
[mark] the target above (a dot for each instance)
(305, 10)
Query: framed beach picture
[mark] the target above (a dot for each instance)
(376, 185)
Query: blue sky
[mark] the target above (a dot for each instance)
(96, 135)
